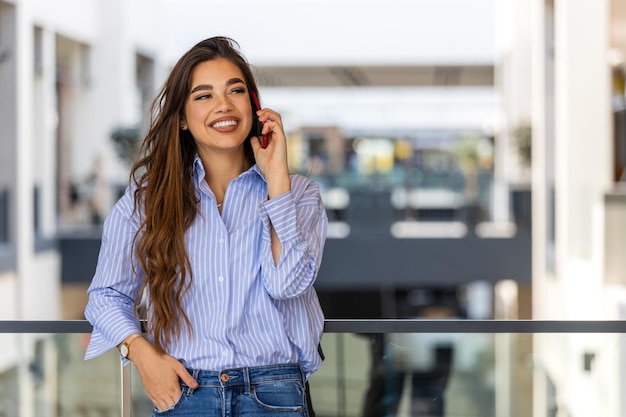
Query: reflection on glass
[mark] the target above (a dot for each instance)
(416, 375)
(46, 375)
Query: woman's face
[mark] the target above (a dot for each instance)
(218, 112)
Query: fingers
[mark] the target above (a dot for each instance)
(269, 115)
(272, 129)
(164, 397)
(170, 397)
(161, 375)
(272, 122)
(186, 377)
(163, 405)
(256, 144)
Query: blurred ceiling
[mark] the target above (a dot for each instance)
(376, 76)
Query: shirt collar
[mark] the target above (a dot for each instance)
(199, 172)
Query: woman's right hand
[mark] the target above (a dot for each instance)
(160, 374)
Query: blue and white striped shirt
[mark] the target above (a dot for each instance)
(244, 309)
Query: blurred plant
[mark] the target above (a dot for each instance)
(473, 152)
(522, 137)
(126, 141)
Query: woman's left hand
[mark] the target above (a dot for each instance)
(272, 161)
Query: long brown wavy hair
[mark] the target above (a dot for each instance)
(163, 174)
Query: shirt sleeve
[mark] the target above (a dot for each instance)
(114, 287)
(300, 222)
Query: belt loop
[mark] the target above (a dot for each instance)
(246, 380)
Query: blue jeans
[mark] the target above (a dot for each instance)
(250, 392)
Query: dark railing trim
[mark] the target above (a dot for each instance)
(378, 326)
(474, 326)
(45, 326)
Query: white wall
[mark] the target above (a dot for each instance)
(73, 19)
(575, 288)
(325, 32)
(8, 302)
(111, 100)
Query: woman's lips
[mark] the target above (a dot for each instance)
(225, 125)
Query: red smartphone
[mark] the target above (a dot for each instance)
(255, 99)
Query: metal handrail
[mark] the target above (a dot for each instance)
(376, 326)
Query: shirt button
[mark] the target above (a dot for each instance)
(224, 353)
(221, 240)
(221, 319)
(220, 278)
(224, 377)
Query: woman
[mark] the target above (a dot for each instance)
(225, 246)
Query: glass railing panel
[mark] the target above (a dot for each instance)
(46, 375)
(400, 368)
(406, 374)
(469, 374)
(140, 404)
(460, 375)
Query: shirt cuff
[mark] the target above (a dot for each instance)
(280, 211)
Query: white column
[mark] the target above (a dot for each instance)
(24, 193)
(583, 121)
(24, 156)
(539, 192)
(48, 140)
(583, 148)
(513, 35)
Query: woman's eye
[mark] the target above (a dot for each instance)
(238, 90)
(203, 97)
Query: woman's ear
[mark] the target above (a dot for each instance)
(183, 124)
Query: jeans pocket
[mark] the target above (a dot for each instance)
(287, 395)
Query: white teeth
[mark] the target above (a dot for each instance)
(225, 123)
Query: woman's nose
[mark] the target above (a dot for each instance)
(223, 104)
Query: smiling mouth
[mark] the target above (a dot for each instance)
(224, 123)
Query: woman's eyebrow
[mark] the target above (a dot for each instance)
(203, 87)
(234, 81)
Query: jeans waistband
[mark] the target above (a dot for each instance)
(246, 376)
